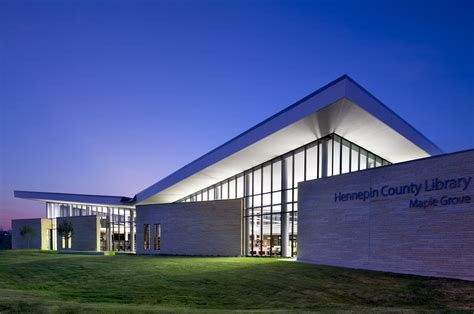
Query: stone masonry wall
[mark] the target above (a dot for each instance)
(86, 236)
(388, 233)
(211, 228)
(37, 240)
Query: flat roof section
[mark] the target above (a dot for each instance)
(104, 200)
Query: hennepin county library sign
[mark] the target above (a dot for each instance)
(435, 184)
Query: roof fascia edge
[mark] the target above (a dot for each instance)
(78, 198)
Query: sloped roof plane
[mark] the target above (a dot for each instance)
(342, 107)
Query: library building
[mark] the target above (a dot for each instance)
(337, 179)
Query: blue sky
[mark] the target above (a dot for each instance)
(107, 97)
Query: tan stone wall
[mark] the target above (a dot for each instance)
(211, 228)
(46, 225)
(86, 235)
(385, 233)
(38, 240)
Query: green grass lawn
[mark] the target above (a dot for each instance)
(43, 282)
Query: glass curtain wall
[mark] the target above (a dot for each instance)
(117, 223)
(270, 190)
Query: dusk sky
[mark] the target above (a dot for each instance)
(108, 97)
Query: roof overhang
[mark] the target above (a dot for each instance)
(99, 200)
(341, 107)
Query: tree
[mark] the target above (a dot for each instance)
(66, 231)
(27, 232)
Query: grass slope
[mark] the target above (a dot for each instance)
(45, 282)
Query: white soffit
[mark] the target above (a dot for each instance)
(342, 107)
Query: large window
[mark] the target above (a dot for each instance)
(146, 237)
(117, 232)
(270, 190)
(157, 237)
(66, 242)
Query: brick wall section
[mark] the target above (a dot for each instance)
(384, 233)
(211, 228)
(86, 235)
(38, 240)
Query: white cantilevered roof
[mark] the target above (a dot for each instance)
(341, 107)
